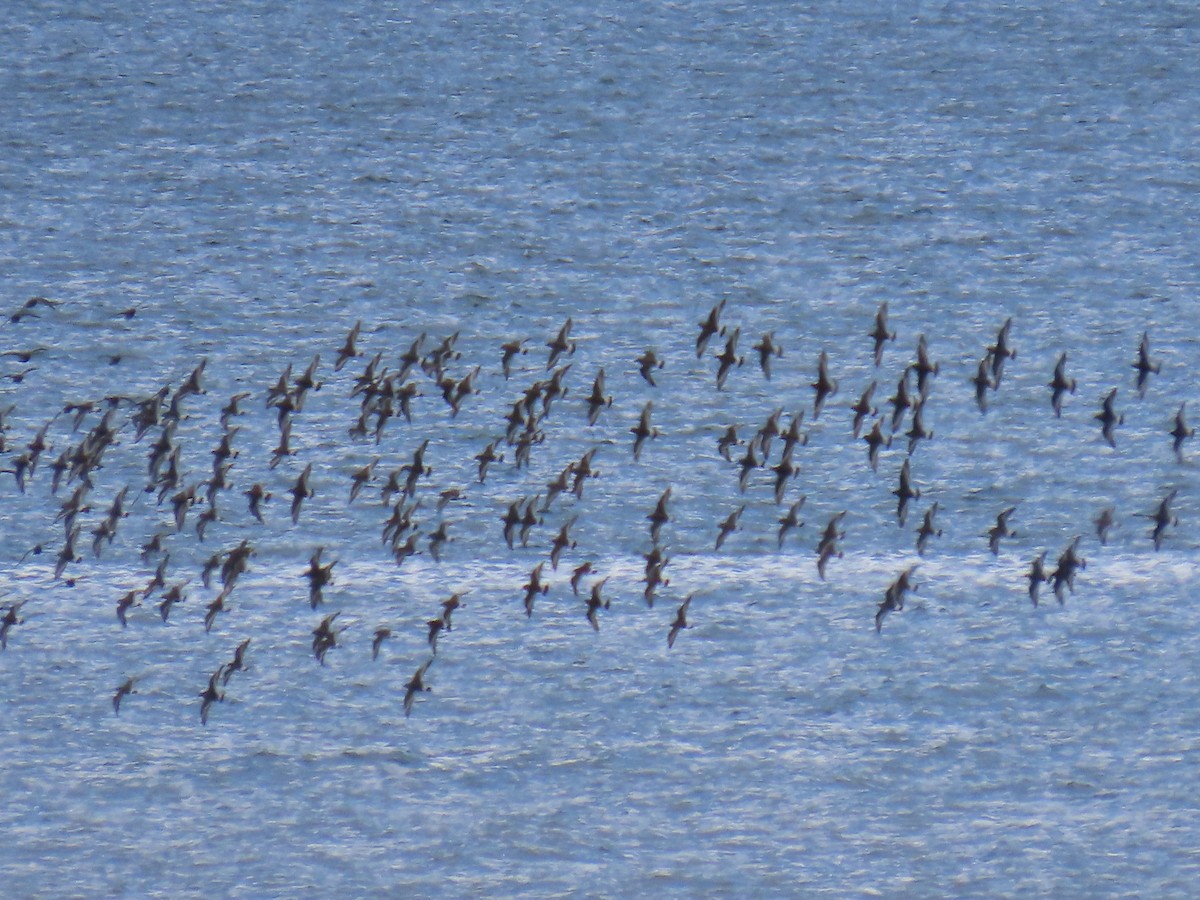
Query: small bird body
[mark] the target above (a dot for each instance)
(416, 685)
(680, 622)
(123, 690)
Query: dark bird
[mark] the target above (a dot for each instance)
(560, 485)
(192, 384)
(1000, 530)
(10, 620)
(512, 519)
(125, 603)
(905, 492)
(307, 381)
(597, 400)
(863, 408)
(236, 563)
(319, 577)
(400, 523)
(465, 388)
(875, 440)
(19, 377)
(348, 350)
(362, 477)
(508, 352)
(405, 394)
(824, 386)
(284, 448)
(727, 441)
(928, 529)
(880, 333)
(416, 685)
(1060, 384)
(300, 491)
(562, 541)
(583, 471)
(1001, 352)
(827, 548)
(893, 597)
(325, 637)
(533, 587)
(487, 457)
(983, 382)
(238, 663)
(1145, 365)
(35, 550)
(206, 518)
(794, 437)
(438, 539)
(729, 525)
(38, 300)
(887, 605)
(766, 435)
(123, 690)
(159, 579)
(654, 576)
(747, 464)
(790, 520)
(215, 608)
(24, 356)
(381, 635)
(67, 554)
(924, 367)
(1163, 517)
(680, 622)
(784, 469)
(370, 378)
(449, 605)
(410, 357)
(643, 430)
(281, 388)
(900, 401)
(561, 344)
(529, 518)
(595, 603)
(917, 430)
(581, 572)
(711, 325)
(647, 363)
(174, 594)
(660, 516)
(728, 358)
(1109, 418)
(1104, 521)
(284, 407)
(210, 695)
(1180, 431)
(435, 362)
(525, 442)
(257, 496)
(415, 469)
(435, 627)
(1037, 576)
(1069, 563)
(767, 348)
(181, 503)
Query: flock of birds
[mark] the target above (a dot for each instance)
(65, 458)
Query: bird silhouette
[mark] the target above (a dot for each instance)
(680, 622)
(416, 685)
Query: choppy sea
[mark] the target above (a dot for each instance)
(238, 185)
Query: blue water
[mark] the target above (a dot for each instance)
(254, 179)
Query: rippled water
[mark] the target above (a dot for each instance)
(254, 179)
